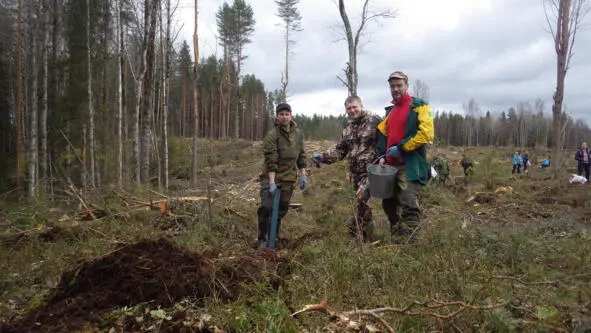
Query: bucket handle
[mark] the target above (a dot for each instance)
(378, 159)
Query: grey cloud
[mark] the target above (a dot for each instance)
(491, 58)
(474, 62)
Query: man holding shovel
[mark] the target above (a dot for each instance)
(358, 143)
(407, 128)
(284, 155)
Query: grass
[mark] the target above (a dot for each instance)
(530, 248)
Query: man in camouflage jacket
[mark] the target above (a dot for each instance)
(359, 144)
(283, 149)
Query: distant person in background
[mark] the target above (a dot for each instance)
(442, 169)
(545, 163)
(516, 163)
(468, 169)
(582, 157)
(525, 159)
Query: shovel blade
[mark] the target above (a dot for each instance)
(274, 217)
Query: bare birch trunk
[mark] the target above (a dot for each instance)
(43, 125)
(84, 170)
(165, 97)
(195, 101)
(119, 97)
(89, 92)
(19, 91)
(33, 152)
(136, 127)
(138, 97)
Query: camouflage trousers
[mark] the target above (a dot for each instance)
(266, 208)
(441, 179)
(406, 197)
(361, 220)
(468, 172)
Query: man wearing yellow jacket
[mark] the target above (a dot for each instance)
(405, 132)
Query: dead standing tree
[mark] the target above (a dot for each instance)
(195, 101)
(420, 89)
(568, 16)
(367, 17)
(291, 17)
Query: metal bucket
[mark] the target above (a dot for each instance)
(381, 180)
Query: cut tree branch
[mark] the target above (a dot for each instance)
(344, 317)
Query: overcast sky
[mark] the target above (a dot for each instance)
(498, 52)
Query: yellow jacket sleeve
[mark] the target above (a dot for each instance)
(426, 131)
(383, 126)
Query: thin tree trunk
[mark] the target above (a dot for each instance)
(43, 125)
(33, 152)
(138, 97)
(237, 121)
(84, 170)
(183, 109)
(146, 135)
(19, 91)
(119, 97)
(222, 116)
(195, 101)
(239, 104)
(285, 82)
(259, 118)
(211, 107)
(165, 97)
(89, 92)
(228, 93)
(136, 127)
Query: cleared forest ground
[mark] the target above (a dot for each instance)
(487, 260)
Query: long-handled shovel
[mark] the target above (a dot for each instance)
(274, 217)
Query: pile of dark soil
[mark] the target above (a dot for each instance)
(154, 271)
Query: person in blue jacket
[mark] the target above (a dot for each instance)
(516, 163)
(545, 164)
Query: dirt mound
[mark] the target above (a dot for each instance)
(147, 270)
(150, 270)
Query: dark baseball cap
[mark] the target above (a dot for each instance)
(283, 107)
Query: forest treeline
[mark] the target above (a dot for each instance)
(94, 89)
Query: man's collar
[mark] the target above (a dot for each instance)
(361, 115)
(403, 99)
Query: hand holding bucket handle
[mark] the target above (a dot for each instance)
(381, 160)
(381, 179)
